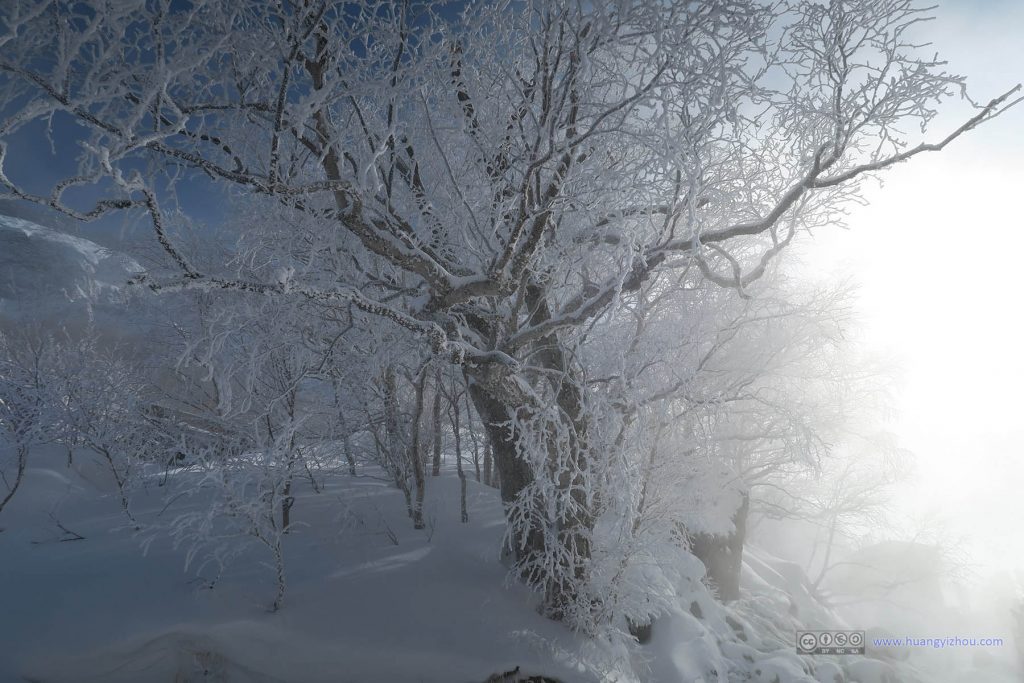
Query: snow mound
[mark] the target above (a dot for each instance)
(181, 656)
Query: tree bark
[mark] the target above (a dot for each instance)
(286, 506)
(346, 444)
(416, 454)
(395, 447)
(723, 555)
(513, 472)
(488, 464)
(347, 447)
(22, 452)
(471, 431)
(435, 469)
(454, 411)
(573, 521)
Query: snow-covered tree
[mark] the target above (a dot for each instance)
(79, 393)
(484, 187)
(27, 414)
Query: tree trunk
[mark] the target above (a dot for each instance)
(22, 455)
(723, 555)
(513, 471)
(435, 469)
(346, 444)
(347, 447)
(488, 464)
(641, 631)
(395, 447)
(279, 571)
(572, 524)
(286, 506)
(454, 412)
(574, 520)
(471, 431)
(119, 478)
(826, 562)
(416, 454)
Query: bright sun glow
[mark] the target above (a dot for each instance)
(937, 254)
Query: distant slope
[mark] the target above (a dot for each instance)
(53, 279)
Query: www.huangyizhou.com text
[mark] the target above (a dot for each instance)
(937, 643)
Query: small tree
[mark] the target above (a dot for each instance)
(27, 406)
(70, 391)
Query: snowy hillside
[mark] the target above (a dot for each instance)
(89, 595)
(47, 276)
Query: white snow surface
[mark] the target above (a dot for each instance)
(369, 599)
(432, 607)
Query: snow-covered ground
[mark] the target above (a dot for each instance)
(369, 599)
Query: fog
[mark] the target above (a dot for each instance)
(936, 256)
(936, 253)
